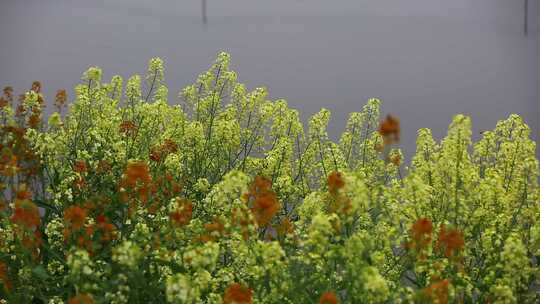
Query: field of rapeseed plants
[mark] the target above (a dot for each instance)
(120, 197)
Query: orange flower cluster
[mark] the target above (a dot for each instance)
(80, 166)
(32, 241)
(8, 163)
(36, 86)
(34, 115)
(214, 229)
(335, 182)
(83, 298)
(103, 166)
(17, 155)
(60, 99)
(75, 216)
(74, 219)
(265, 203)
(421, 235)
(328, 298)
(137, 177)
(4, 278)
(286, 227)
(136, 172)
(450, 242)
(182, 215)
(26, 214)
(7, 98)
(390, 130)
(128, 128)
(23, 194)
(168, 185)
(339, 203)
(237, 293)
(160, 152)
(107, 229)
(8, 91)
(437, 292)
(34, 120)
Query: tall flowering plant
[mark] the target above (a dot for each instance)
(225, 197)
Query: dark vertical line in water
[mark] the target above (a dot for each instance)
(204, 17)
(526, 18)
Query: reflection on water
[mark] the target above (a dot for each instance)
(204, 17)
(526, 18)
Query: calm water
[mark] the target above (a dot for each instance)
(426, 59)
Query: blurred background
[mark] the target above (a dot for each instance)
(426, 59)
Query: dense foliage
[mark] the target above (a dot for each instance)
(226, 198)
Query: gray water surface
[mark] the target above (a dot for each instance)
(426, 59)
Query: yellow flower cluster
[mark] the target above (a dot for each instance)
(227, 198)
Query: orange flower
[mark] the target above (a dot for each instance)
(36, 86)
(176, 187)
(20, 111)
(170, 146)
(237, 294)
(8, 162)
(8, 92)
(265, 203)
(328, 298)
(34, 120)
(60, 98)
(183, 214)
(422, 228)
(103, 166)
(128, 128)
(80, 166)
(108, 230)
(285, 227)
(339, 203)
(335, 182)
(32, 241)
(437, 292)
(155, 154)
(23, 194)
(79, 183)
(390, 129)
(83, 298)
(135, 172)
(144, 193)
(264, 208)
(421, 235)
(4, 278)
(213, 229)
(26, 214)
(450, 242)
(260, 184)
(75, 216)
(215, 226)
